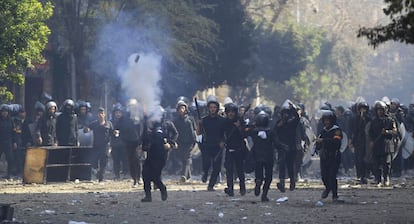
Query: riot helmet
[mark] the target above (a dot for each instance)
(328, 114)
(262, 119)
(68, 106)
(181, 103)
(4, 107)
(231, 107)
(380, 105)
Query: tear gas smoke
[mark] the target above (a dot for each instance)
(140, 80)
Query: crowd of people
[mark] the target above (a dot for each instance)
(247, 139)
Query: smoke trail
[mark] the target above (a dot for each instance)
(140, 80)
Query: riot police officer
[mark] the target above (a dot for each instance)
(156, 148)
(328, 145)
(235, 149)
(67, 125)
(46, 127)
(212, 143)
(382, 130)
(286, 131)
(7, 139)
(357, 139)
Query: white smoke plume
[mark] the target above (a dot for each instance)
(140, 80)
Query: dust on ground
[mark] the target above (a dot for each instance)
(118, 202)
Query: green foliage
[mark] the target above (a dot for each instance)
(23, 36)
(400, 28)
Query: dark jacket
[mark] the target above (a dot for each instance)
(46, 128)
(67, 129)
(329, 147)
(185, 128)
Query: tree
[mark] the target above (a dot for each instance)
(23, 36)
(400, 28)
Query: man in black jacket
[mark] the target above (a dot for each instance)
(235, 149)
(67, 125)
(328, 145)
(185, 140)
(212, 143)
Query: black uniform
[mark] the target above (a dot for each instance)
(286, 131)
(330, 158)
(235, 156)
(101, 137)
(186, 140)
(46, 128)
(7, 139)
(20, 151)
(67, 129)
(381, 136)
(119, 153)
(153, 144)
(357, 136)
(130, 132)
(210, 148)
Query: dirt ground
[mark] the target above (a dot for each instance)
(118, 202)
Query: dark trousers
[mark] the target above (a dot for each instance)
(361, 168)
(134, 160)
(381, 169)
(100, 161)
(152, 172)
(6, 148)
(287, 160)
(264, 172)
(329, 170)
(234, 159)
(212, 156)
(120, 159)
(184, 156)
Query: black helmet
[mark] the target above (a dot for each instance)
(380, 105)
(262, 119)
(69, 103)
(258, 109)
(362, 105)
(328, 114)
(231, 107)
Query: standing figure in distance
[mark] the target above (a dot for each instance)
(328, 145)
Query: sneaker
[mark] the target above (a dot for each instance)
(183, 179)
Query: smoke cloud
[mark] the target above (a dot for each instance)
(140, 80)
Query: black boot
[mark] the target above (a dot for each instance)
(281, 186)
(292, 186)
(164, 194)
(242, 189)
(325, 193)
(147, 197)
(229, 191)
(257, 189)
(335, 190)
(264, 195)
